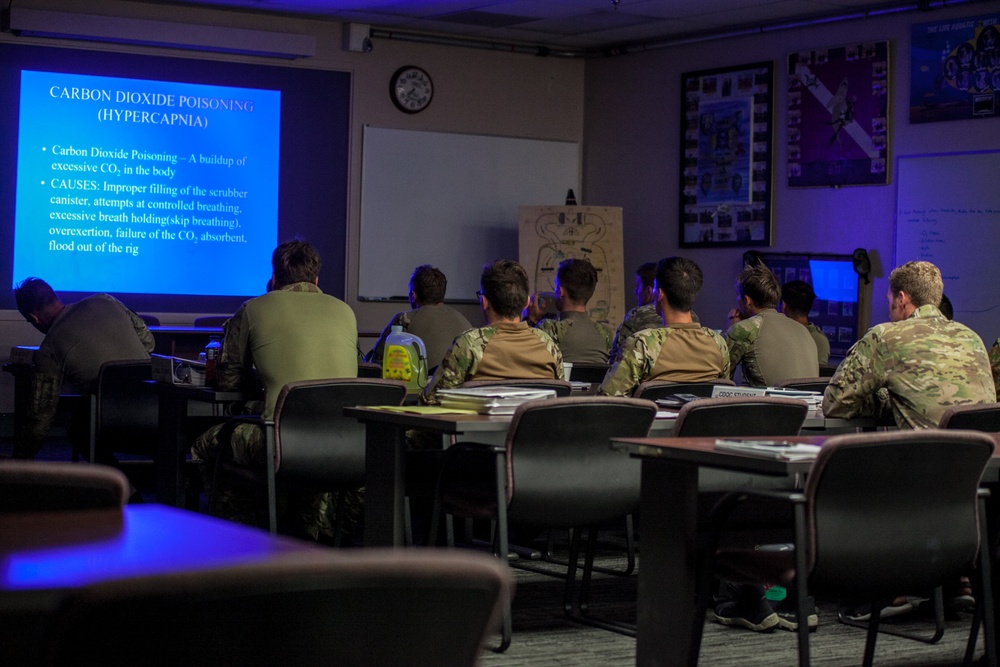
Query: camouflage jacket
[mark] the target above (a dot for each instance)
(636, 320)
(919, 367)
(503, 350)
(995, 364)
(679, 353)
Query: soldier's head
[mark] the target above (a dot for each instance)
(798, 297)
(757, 289)
(503, 289)
(37, 302)
(912, 285)
(644, 277)
(678, 281)
(294, 262)
(576, 280)
(946, 308)
(427, 285)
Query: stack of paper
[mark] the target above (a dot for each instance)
(491, 400)
(771, 449)
(813, 398)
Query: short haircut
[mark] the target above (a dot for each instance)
(798, 296)
(920, 280)
(646, 273)
(505, 284)
(680, 279)
(758, 283)
(578, 277)
(428, 284)
(295, 262)
(946, 308)
(33, 295)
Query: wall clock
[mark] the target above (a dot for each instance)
(411, 89)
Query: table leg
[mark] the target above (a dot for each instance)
(172, 450)
(385, 488)
(667, 609)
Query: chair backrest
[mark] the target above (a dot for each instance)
(315, 444)
(654, 389)
(895, 511)
(27, 486)
(377, 608)
(211, 320)
(588, 372)
(977, 417)
(150, 320)
(367, 369)
(741, 416)
(561, 470)
(562, 388)
(805, 384)
(126, 415)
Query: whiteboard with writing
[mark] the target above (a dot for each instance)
(948, 213)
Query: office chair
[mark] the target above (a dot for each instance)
(976, 417)
(881, 513)
(380, 607)
(805, 384)
(311, 445)
(28, 486)
(555, 470)
(654, 389)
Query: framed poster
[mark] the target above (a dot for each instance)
(955, 69)
(726, 156)
(838, 114)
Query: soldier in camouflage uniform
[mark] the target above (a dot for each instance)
(768, 346)
(919, 364)
(643, 316)
(433, 322)
(580, 339)
(79, 338)
(995, 364)
(506, 348)
(797, 298)
(294, 332)
(679, 350)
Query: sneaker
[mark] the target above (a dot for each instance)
(757, 616)
(958, 597)
(863, 612)
(789, 620)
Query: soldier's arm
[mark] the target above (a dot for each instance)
(739, 343)
(46, 383)
(231, 372)
(853, 390)
(995, 364)
(626, 373)
(454, 369)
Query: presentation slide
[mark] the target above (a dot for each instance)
(138, 186)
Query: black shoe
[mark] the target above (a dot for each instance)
(863, 612)
(757, 615)
(789, 620)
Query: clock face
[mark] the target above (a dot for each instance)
(411, 89)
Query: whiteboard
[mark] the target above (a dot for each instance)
(948, 213)
(450, 200)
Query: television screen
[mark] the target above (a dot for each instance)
(166, 182)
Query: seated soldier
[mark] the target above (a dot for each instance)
(506, 348)
(680, 350)
(79, 339)
(434, 323)
(797, 298)
(643, 316)
(766, 345)
(580, 339)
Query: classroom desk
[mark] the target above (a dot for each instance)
(175, 410)
(667, 616)
(44, 555)
(385, 466)
(186, 342)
